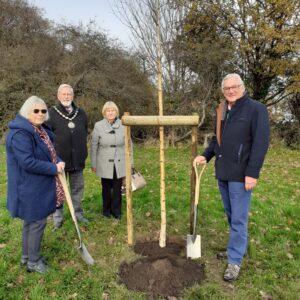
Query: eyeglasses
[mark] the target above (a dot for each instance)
(228, 88)
(43, 111)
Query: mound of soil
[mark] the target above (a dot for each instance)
(163, 272)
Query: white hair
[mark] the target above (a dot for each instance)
(110, 105)
(27, 106)
(64, 86)
(233, 75)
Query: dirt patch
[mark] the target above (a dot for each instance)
(164, 272)
(153, 249)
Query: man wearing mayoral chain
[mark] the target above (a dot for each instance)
(69, 125)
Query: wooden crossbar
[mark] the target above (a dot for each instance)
(160, 120)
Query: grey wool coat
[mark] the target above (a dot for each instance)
(108, 149)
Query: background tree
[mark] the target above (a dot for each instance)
(37, 56)
(265, 41)
(180, 94)
(28, 57)
(99, 71)
(201, 41)
(257, 39)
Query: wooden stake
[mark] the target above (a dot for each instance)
(193, 175)
(162, 237)
(128, 183)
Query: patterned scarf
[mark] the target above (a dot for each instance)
(60, 195)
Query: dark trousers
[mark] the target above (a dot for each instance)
(76, 181)
(112, 197)
(32, 238)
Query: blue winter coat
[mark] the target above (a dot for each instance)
(244, 141)
(31, 174)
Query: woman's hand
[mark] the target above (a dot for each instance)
(93, 170)
(60, 167)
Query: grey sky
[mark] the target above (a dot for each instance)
(76, 11)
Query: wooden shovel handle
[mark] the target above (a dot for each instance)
(198, 180)
(63, 180)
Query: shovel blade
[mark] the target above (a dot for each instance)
(193, 246)
(86, 256)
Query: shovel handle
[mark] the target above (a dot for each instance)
(198, 180)
(63, 180)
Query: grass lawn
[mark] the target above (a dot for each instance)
(271, 270)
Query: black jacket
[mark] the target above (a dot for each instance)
(70, 143)
(244, 141)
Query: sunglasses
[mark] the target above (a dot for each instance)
(43, 111)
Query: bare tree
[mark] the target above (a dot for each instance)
(185, 91)
(139, 16)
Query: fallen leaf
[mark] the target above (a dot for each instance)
(2, 246)
(20, 279)
(265, 296)
(290, 256)
(72, 296)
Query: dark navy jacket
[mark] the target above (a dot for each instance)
(244, 141)
(70, 143)
(31, 193)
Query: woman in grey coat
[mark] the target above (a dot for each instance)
(108, 158)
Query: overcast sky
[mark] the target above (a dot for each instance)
(76, 11)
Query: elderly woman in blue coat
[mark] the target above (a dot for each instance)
(108, 158)
(34, 190)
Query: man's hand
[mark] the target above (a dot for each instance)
(200, 160)
(250, 183)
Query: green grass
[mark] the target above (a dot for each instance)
(272, 266)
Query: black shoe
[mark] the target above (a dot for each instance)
(24, 261)
(39, 267)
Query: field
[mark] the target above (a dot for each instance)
(271, 270)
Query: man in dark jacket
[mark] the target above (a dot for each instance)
(69, 125)
(239, 146)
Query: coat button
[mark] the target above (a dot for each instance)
(220, 155)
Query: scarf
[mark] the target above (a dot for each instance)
(60, 195)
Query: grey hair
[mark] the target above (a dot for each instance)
(63, 86)
(233, 75)
(28, 105)
(109, 104)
